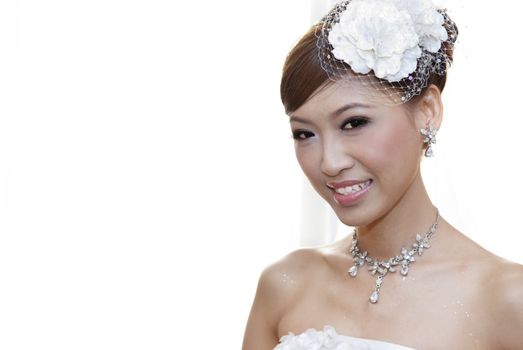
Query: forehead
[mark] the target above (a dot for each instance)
(329, 98)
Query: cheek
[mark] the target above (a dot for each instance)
(307, 159)
(393, 148)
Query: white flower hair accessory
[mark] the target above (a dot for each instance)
(392, 45)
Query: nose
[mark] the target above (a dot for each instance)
(336, 157)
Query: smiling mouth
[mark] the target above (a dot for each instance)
(354, 188)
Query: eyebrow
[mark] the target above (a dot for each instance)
(335, 113)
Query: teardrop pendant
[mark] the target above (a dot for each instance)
(353, 271)
(374, 297)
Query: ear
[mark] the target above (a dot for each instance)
(429, 108)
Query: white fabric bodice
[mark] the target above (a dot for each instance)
(328, 339)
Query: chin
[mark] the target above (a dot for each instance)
(358, 215)
(354, 221)
(361, 214)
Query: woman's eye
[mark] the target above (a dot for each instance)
(351, 123)
(354, 123)
(301, 135)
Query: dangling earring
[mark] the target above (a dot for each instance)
(430, 138)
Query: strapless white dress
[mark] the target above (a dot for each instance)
(328, 339)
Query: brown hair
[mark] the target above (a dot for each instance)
(303, 76)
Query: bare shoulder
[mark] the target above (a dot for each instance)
(498, 285)
(279, 285)
(505, 281)
(287, 276)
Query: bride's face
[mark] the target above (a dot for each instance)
(340, 135)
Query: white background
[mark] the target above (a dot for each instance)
(148, 175)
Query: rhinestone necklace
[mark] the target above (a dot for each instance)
(382, 267)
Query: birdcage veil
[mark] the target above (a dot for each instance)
(391, 46)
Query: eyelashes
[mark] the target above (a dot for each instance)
(354, 123)
(349, 124)
(301, 135)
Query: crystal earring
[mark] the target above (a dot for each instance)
(429, 133)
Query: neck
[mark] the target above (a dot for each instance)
(413, 214)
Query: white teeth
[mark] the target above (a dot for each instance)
(352, 189)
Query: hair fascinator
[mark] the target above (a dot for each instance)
(391, 46)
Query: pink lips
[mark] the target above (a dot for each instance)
(345, 183)
(351, 198)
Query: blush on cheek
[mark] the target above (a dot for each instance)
(308, 163)
(393, 149)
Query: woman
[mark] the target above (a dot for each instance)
(363, 92)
